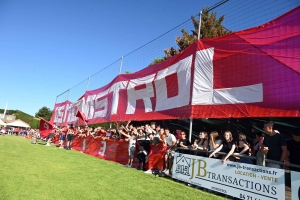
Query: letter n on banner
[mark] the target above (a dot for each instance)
(203, 87)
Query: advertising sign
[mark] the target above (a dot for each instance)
(239, 180)
(295, 185)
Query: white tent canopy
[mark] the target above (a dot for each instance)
(18, 123)
(2, 123)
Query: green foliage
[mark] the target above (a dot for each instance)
(33, 122)
(104, 125)
(127, 72)
(211, 26)
(157, 60)
(44, 112)
(38, 172)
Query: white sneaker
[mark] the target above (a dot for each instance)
(127, 165)
(149, 171)
(60, 147)
(48, 145)
(167, 172)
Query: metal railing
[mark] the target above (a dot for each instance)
(265, 160)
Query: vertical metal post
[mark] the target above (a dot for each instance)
(121, 64)
(56, 100)
(191, 129)
(87, 85)
(68, 95)
(199, 28)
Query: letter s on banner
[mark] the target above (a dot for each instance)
(203, 87)
(183, 71)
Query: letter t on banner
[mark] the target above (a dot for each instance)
(135, 94)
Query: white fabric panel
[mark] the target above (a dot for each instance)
(103, 103)
(183, 70)
(115, 88)
(144, 94)
(203, 92)
(228, 95)
(66, 112)
(59, 114)
(71, 114)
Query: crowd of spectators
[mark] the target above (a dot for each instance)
(19, 131)
(268, 144)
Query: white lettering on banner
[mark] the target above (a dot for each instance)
(102, 149)
(205, 94)
(92, 107)
(101, 106)
(115, 88)
(59, 114)
(66, 112)
(183, 71)
(145, 93)
(239, 180)
(72, 114)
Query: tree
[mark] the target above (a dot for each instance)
(211, 26)
(44, 112)
(157, 60)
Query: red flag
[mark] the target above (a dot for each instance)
(45, 128)
(81, 115)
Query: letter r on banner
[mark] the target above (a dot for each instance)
(203, 87)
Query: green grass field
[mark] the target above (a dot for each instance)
(30, 171)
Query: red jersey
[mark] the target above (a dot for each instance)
(64, 131)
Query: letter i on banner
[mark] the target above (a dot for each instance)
(295, 185)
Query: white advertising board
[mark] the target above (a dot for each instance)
(295, 185)
(244, 181)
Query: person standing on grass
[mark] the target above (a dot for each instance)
(70, 136)
(131, 145)
(63, 133)
(170, 142)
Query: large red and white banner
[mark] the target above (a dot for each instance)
(251, 73)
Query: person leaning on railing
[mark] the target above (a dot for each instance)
(228, 146)
(201, 144)
(274, 146)
(183, 142)
(243, 148)
(293, 147)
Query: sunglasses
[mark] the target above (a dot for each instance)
(182, 134)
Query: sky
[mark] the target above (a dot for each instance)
(49, 46)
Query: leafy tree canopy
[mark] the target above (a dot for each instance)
(211, 26)
(44, 112)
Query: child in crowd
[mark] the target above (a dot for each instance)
(131, 145)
